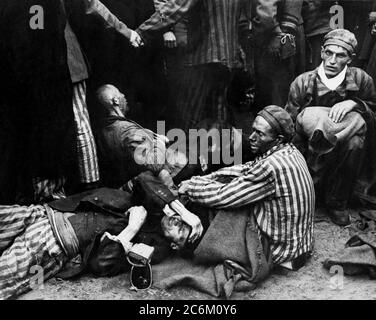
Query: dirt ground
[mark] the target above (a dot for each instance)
(310, 282)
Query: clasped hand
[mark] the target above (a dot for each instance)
(135, 39)
(338, 112)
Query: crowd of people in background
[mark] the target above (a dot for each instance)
(195, 60)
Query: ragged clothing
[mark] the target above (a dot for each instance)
(128, 149)
(308, 90)
(44, 238)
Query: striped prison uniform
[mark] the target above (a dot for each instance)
(213, 51)
(27, 247)
(47, 189)
(279, 189)
(86, 147)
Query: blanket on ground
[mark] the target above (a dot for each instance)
(359, 254)
(231, 235)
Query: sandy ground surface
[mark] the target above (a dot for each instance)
(310, 282)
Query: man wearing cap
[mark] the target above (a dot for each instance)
(333, 109)
(276, 186)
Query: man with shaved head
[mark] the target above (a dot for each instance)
(126, 148)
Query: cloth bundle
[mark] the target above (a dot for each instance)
(323, 134)
(231, 235)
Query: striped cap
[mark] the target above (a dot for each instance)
(280, 120)
(343, 38)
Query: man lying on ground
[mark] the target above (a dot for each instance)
(99, 225)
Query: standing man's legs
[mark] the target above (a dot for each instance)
(86, 147)
(203, 94)
(46, 189)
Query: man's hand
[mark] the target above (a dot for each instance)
(195, 223)
(135, 39)
(373, 30)
(127, 245)
(274, 47)
(183, 187)
(190, 219)
(169, 40)
(341, 109)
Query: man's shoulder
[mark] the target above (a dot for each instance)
(306, 76)
(359, 74)
(282, 156)
(121, 129)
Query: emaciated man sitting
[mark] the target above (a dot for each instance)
(333, 107)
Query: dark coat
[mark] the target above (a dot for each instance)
(102, 210)
(361, 89)
(36, 86)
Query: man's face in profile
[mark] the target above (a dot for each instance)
(176, 231)
(122, 102)
(262, 137)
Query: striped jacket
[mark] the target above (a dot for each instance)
(279, 189)
(213, 28)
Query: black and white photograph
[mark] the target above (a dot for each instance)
(193, 151)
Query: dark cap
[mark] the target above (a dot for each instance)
(280, 120)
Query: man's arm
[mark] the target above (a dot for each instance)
(364, 102)
(97, 8)
(108, 259)
(147, 148)
(366, 98)
(166, 15)
(136, 219)
(296, 96)
(249, 188)
(265, 19)
(274, 18)
(291, 14)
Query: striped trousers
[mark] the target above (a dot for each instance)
(29, 252)
(86, 148)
